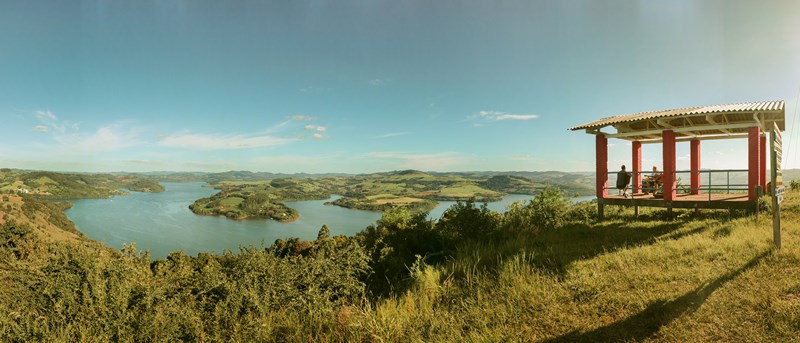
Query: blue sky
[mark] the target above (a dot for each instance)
(365, 86)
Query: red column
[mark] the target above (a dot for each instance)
(694, 157)
(636, 157)
(753, 160)
(668, 152)
(601, 165)
(762, 163)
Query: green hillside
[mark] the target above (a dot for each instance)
(543, 271)
(72, 186)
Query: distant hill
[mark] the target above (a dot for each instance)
(72, 186)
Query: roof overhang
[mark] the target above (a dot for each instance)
(701, 123)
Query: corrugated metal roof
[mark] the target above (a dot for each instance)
(749, 107)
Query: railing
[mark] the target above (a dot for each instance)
(709, 188)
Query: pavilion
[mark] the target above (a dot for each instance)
(751, 121)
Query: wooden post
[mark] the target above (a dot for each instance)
(694, 157)
(601, 171)
(762, 162)
(775, 150)
(753, 159)
(636, 159)
(601, 165)
(668, 153)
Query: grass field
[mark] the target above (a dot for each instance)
(466, 191)
(693, 279)
(231, 201)
(381, 199)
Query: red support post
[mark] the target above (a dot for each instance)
(694, 157)
(762, 163)
(753, 160)
(668, 153)
(636, 156)
(601, 165)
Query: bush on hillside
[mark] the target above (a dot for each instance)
(464, 221)
(394, 243)
(548, 210)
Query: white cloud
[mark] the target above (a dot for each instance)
(302, 117)
(46, 116)
(221, 142)
(49, 120)
(107, 138)
(499, 116)
(322, 128)
(391, 134)
(432, 161)
(376, 82)
(310, 127)
(319, 136)
(71, 140)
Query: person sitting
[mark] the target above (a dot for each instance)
(652, 182)
(623, 180)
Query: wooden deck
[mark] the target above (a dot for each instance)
(716, 201)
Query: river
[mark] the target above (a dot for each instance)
(162, 222)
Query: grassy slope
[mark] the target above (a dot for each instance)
(686, 280)
(691, 279)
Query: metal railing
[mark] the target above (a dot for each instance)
(713, 184)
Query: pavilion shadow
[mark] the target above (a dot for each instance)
(557, 249)
(648, 322)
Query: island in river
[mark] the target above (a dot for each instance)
(412, 189)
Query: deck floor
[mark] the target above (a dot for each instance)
(717, 201)
(686, 197)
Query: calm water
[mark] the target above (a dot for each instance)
(162, 222)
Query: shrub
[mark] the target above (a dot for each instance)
(394, 243)
(583, 212)
(465, 221)
(549, 208)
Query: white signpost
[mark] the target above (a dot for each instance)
(776, 185)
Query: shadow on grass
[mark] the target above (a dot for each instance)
(658, 314)
(557, 249)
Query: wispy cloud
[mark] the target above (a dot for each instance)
(321, 128)
(295, 160)
(391, 134)
(49, 121)
(377, 82)
(108, 138)
(523, 158)
(70, 139)
(492, 116)
(301, 117)
(318, 136)
(310, 127)
(431, 161)
(221, 142)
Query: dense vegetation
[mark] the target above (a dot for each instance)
(541, 271)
